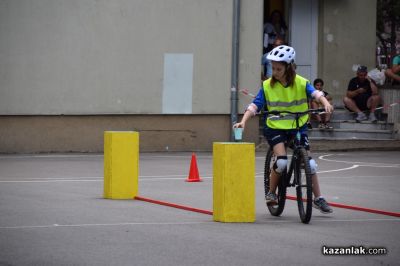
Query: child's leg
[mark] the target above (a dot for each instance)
(315, 182)
(315, 105)
(316, 188)
(319, 202)
(279, 150)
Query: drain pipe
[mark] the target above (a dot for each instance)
(235, 65)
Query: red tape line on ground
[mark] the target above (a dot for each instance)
(338, 205)
(187, 208)
(356, 208)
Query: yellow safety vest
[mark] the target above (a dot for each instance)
(292, 98)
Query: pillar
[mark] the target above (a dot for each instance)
(121, 164)
(233, 182)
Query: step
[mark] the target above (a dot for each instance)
(353, 144)
(352, 124)
(344, 114)
(333, 144)
(351, 134)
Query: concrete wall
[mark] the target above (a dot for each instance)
(346, 38)
(72, 69)
(109, 57)
(33, 134)
(64, 60)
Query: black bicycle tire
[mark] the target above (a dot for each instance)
(275, 210)
(305, 213)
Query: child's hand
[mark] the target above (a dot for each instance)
(328, 108)
(241, 125)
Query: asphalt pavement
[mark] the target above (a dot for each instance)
(53, 213)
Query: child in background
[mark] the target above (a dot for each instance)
(325, 118)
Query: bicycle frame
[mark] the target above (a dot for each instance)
(295, 145)
(299, 165)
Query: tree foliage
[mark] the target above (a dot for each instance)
(388, 19)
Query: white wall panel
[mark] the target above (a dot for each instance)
(177, 86)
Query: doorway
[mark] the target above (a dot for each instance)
(301, 20)
(274, 23)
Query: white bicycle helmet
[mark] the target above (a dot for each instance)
(282, 53)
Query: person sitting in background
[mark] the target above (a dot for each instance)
(362, 95)
(325, 118)
(394, 71)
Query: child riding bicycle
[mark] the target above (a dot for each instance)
(286, 91)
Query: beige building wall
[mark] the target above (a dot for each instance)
(346, 39)
(73, 69)
(33, 134)
(107, 57)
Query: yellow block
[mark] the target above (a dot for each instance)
(234, 182)
(121, 164)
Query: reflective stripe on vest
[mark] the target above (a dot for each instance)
(293, 99)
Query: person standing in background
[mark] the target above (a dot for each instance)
(266, 63)
(274, 28)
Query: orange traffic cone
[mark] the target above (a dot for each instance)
(194, 171)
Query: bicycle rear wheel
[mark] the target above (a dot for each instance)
(303, 176)
(277, 209)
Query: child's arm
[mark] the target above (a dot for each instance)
(252, 109)
(319, 97)
(326, 103)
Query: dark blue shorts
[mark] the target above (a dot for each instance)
(275, 136)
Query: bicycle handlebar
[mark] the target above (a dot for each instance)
(313, 111)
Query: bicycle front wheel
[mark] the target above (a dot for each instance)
(277, 209)
(303, 176)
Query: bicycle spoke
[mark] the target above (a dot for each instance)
(304, 186)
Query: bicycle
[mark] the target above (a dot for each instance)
(299, 165)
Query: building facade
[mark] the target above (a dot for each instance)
(71, 70)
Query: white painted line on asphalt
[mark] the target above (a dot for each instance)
(24, 156)
(102, 224)
(171, 178)
(337, 170)
(327, 171)
(85, 177)
(141, 178)
(96, 179)
(366, 176)
(142, 156)
(53, 178)
(358, 220)
(156, 176)
(50, 181)
(175, 156)
(332, 221)
(88, 177)
(192, 223)
(167, 177)
(322, 157)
